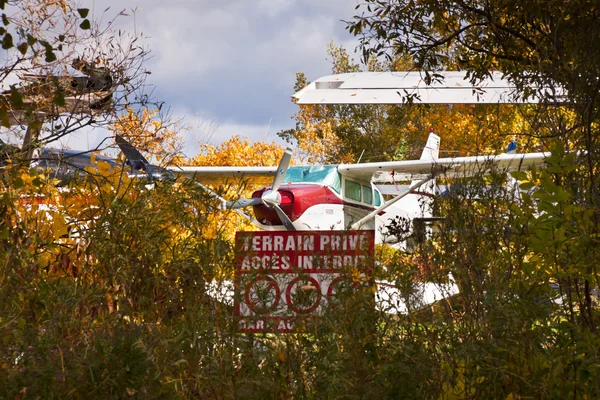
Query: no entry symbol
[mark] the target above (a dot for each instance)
(262, 294)
(303, 294)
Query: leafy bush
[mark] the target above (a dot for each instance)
(114, 300)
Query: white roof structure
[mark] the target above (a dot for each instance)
(405, 87)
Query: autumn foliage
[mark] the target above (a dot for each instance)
(113, 287)
(237, 151)
(146, 130)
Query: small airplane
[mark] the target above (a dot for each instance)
(346, 196)
(68, 165)
(315, 197)
(322, 197)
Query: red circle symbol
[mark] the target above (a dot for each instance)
(338, 283)
(311, 285)
(262, 294)
(339, 286)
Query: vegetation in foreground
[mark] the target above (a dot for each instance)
(106, 285)
(117, 300)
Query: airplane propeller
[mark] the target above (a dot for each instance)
(270, 198)
(136, 161)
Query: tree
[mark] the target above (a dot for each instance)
(237, 151)
(73, 72)
(550, 41)
(542, 46)
(550, 50)
(149, 132)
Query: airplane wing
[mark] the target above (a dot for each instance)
(401, 87)
(396, 171)
(210, 175)
(380, 172)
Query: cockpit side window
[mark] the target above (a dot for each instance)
(367, 195)
(352, 190)
(377, 198)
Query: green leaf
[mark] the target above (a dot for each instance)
(85, 25)
(50, 56)
(519, 175)
(4, 233)
(561, 195)
(23, 48)
(526, 185)
(5, 20)
(59, 98)
(7, 43)
(544, 196)
(35, 124)
(4, 121)
(18, 183)
(31, 40)
(83, 12)
(16, 99)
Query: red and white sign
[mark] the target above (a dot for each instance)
(282, 277)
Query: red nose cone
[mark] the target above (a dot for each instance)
(295, 200)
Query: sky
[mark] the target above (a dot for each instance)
(228, 66)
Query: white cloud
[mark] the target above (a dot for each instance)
(234, 60)
(207, 45)
(273, 8)
(203, 130)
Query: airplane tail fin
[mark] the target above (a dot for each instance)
(137, 162)
(420, 201)
(418, 205)
(430, 152)
(423, 197)
(135, 159)
(432, 147)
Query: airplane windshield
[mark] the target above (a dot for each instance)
(323, 174)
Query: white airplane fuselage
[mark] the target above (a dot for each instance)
(314, 207)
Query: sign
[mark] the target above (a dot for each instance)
(282, 277)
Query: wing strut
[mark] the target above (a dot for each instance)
(224, 202)
(372, 214)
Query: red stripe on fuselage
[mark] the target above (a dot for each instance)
(303, 197)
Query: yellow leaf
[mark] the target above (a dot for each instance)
(280, 356)
(59, 226)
